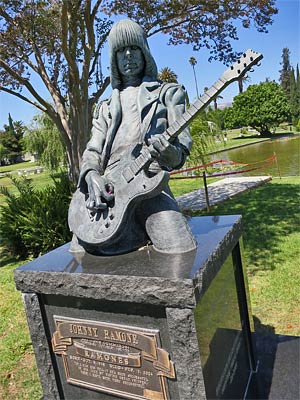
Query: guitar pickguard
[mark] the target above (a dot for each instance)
(101, 227)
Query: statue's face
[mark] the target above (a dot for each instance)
(130, 61)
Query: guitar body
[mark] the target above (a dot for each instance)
(103, 226)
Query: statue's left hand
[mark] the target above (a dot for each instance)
(165, 152)
(100, 191)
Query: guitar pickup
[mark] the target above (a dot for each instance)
(128, 174)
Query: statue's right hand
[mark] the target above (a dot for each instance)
(100, 191)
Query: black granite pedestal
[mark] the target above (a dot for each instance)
(143, 325)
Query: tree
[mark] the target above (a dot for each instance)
(205, 128)
(42, 138)
(60, 41)
(200, 23)
(285, 72)
(167, 75)
(202, 140)
(216, 116)
(296, 96)
(193, 62)
(293, 93)
(229, 119)
(11, 141)
(289, 80)
(215, 100)
(3, 154)
(243, 79)
(263, 106)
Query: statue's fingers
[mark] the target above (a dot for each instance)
(99, 204)
(154, 153)
(159, 147)
(164, 141)
(90, 204)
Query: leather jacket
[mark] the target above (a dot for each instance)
(159, 104)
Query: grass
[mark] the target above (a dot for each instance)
(182, 186)
(15, 167)
(236, 142)
(18, 372)
(271, 218)
(39, 180)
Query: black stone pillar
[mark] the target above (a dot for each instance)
(143, 325)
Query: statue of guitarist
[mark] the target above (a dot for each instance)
(139, 110)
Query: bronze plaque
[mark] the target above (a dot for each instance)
(122, 360)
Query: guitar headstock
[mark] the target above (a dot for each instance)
(242, 65)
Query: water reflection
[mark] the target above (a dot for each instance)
(287, 150)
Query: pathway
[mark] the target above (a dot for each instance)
(220, 191)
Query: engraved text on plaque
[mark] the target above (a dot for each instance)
(116, 359)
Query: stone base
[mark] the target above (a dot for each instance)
(143, 325)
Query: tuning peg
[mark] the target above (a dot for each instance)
(246, 76)
(258, 64)
(251, 69)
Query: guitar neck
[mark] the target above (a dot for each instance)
(235, 72)
(191, 113)
(180, 124)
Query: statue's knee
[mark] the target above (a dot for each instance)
(170, 233)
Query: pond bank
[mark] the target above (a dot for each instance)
(279, 136)
(237, 146)
(286, 148)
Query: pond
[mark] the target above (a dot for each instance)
(287, 150)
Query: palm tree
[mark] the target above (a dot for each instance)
(166, 74)
(193, 62)
(243, 79)
(215, 101)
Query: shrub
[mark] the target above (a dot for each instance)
(35, 221)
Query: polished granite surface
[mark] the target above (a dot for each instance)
(210, 233)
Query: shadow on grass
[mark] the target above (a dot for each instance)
(270, 213)
(6, 258)
(278, 367)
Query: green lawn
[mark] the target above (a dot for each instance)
(182, 186)
(15, 167)
(18, 372)
(39, 180)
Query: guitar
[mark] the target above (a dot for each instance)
(130, 178)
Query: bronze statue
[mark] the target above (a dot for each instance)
(124, 201)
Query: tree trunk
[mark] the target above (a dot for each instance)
(240, 82)
(264, 130)
(215, 104)
(75, 134)
(80, 136)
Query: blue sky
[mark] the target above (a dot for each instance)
(283, 33)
